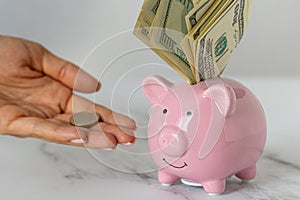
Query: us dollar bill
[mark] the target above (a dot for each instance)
(169, 30)
(144, 31)
(192, 19)
(216, 45)
(195, 37)
(217, 8)
(144, 22)
(196, 2)
(197, 12)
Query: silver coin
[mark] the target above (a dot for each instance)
(85, 119)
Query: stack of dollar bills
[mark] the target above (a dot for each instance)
(195, 37)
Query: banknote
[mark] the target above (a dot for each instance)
(195, 37)
(143, 29)
(205, 22)
(169, 30)
(196, 2)
(191, 20)
(197, 12)
(150, 7)
(144, 22)
(216, 45)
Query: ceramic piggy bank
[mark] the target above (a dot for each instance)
(204, 133)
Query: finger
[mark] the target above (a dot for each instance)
(45, 129)
(123, 136)
(79, 104)
(114, 135)
(117, 119)
(97, 140)
(69, 74)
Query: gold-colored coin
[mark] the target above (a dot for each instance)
(85, 119)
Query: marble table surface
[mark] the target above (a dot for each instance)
(33, 169)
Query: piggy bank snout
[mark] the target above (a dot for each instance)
(173, 142)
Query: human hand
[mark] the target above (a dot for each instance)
(36, 99)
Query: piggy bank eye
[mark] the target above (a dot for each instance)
(189, 113)
(165, 111)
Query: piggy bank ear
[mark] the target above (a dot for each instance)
(223, 100)
(154, 86)
(222, 95)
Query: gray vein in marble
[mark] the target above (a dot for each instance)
(272, 172)
(149, 177)
(146, 176)
(74, 173)
(74, 176)
(258, 193)
(43, 149)
(178, 189)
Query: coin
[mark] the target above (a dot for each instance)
(85, 119)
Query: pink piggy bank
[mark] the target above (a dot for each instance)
(204, 133)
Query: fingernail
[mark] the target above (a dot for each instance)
(98, 86)
(133, 124)
(107, 149)
(128, 143)
(79, 141)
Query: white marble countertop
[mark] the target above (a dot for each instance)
(32, 169)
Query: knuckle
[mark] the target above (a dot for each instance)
(107, 129)
(59, 137)
(62, 72)
(36, 125)
(115, 131)
(110, 116)
(111, 141)
(42, 129)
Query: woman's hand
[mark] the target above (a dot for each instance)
(36, 99)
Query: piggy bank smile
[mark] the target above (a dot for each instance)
(177, 167)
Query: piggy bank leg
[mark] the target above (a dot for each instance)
(166, 179)
(247, 174)
(215, 187)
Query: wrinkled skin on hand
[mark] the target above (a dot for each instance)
(37, 100)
